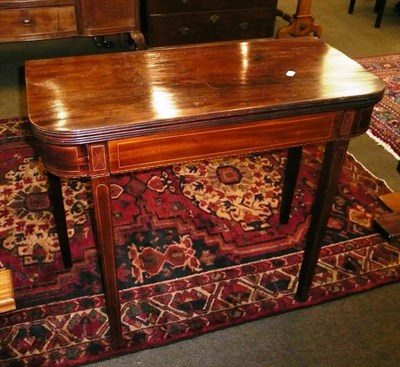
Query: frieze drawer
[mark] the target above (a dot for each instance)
(210, 26)
(37, 23)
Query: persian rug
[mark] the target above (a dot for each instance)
(199, 248)
(385, 122)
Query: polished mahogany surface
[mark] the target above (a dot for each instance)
(95, 98)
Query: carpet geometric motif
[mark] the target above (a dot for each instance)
(151, 261)
(243, 189)
(77, 329)
(27, 225)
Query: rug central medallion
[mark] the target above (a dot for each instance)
(244, 189)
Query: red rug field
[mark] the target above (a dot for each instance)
(199, 248)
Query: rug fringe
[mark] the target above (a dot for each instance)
(381, 143)
(370, 172)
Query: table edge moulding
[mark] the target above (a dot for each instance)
(105, 114)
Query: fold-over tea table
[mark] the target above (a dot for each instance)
(96, 116)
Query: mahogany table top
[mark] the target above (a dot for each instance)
(86, 99)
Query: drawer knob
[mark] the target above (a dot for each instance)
(184, 30)
(214, 18)
(26, 21)
(244, 25)
(185, 1)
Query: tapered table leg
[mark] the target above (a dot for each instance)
(335, 153)
(289, 182)
(57, 204)
(105, 247)
(379, 9)
(104, 235)
(351, 6)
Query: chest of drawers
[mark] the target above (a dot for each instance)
(33, 20)
(26, 20)
(172, 22)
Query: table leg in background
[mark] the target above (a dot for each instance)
(57, 204)
(289, 182)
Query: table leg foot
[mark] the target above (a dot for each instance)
(138, 40)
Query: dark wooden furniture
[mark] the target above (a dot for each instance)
(29, 20)
(379, 9)
(389, 224)
(174, 22)
(301, 23)
(101, 115)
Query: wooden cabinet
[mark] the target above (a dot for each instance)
(99, 17)
(171, 22)
(23, 20)
(34, 20)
